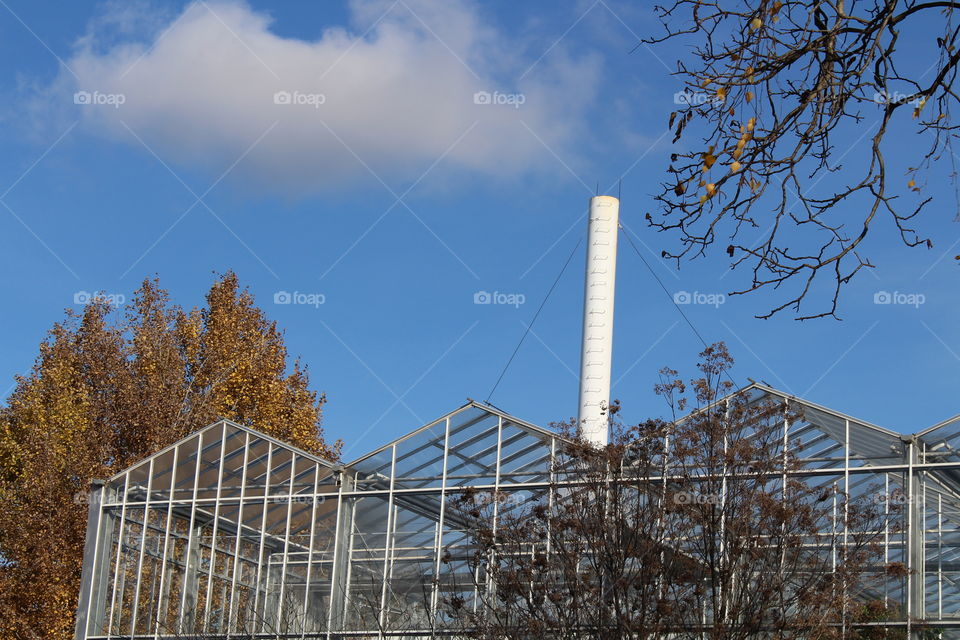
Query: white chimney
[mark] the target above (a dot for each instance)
(596, 353)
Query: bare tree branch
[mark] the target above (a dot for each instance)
(779, 93)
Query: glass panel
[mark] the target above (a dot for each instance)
(280, 472)
(473, 449)
(138, 483)
(150, 575)
(186, 468)
(257, 466)
(367, 552)
(211, 447)
(524, 457)
(305, 473)
(160, 481)
(234, 448)
(420, 459)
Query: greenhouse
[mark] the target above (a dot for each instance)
(231, 533)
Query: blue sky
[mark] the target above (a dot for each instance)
(337, 151)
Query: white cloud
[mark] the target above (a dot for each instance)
(397, 87)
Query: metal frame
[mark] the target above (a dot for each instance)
(232, 542)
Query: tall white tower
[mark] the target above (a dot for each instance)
(596, 353)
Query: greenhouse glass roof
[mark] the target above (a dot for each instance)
(232, 532)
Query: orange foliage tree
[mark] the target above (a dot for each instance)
(108, 388)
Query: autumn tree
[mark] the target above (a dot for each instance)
(785, 132)
(109, 387)
(694, 527)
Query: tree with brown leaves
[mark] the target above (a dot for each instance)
(686, 528)
(108, 389)
(778, 95)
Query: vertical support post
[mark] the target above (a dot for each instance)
(491, 556)
(188, 598)
(886, 534)
(342, 541)
(347, 575)
(596, 354)
(212, 572)
(135, 612)
(940, 556)
(163, 603)
(784, 481)
(258, 605)
(393, 543)
(98, 602)
(191, 580)
(662, 536)
(93, 565)
(236, 544)
(724, 595)
(551, 495)
(915, 539)
(117, 576)
(388, 541)
(435, 596)
(496, 479)
(310, 618)
(846, 514)
(281, 624)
